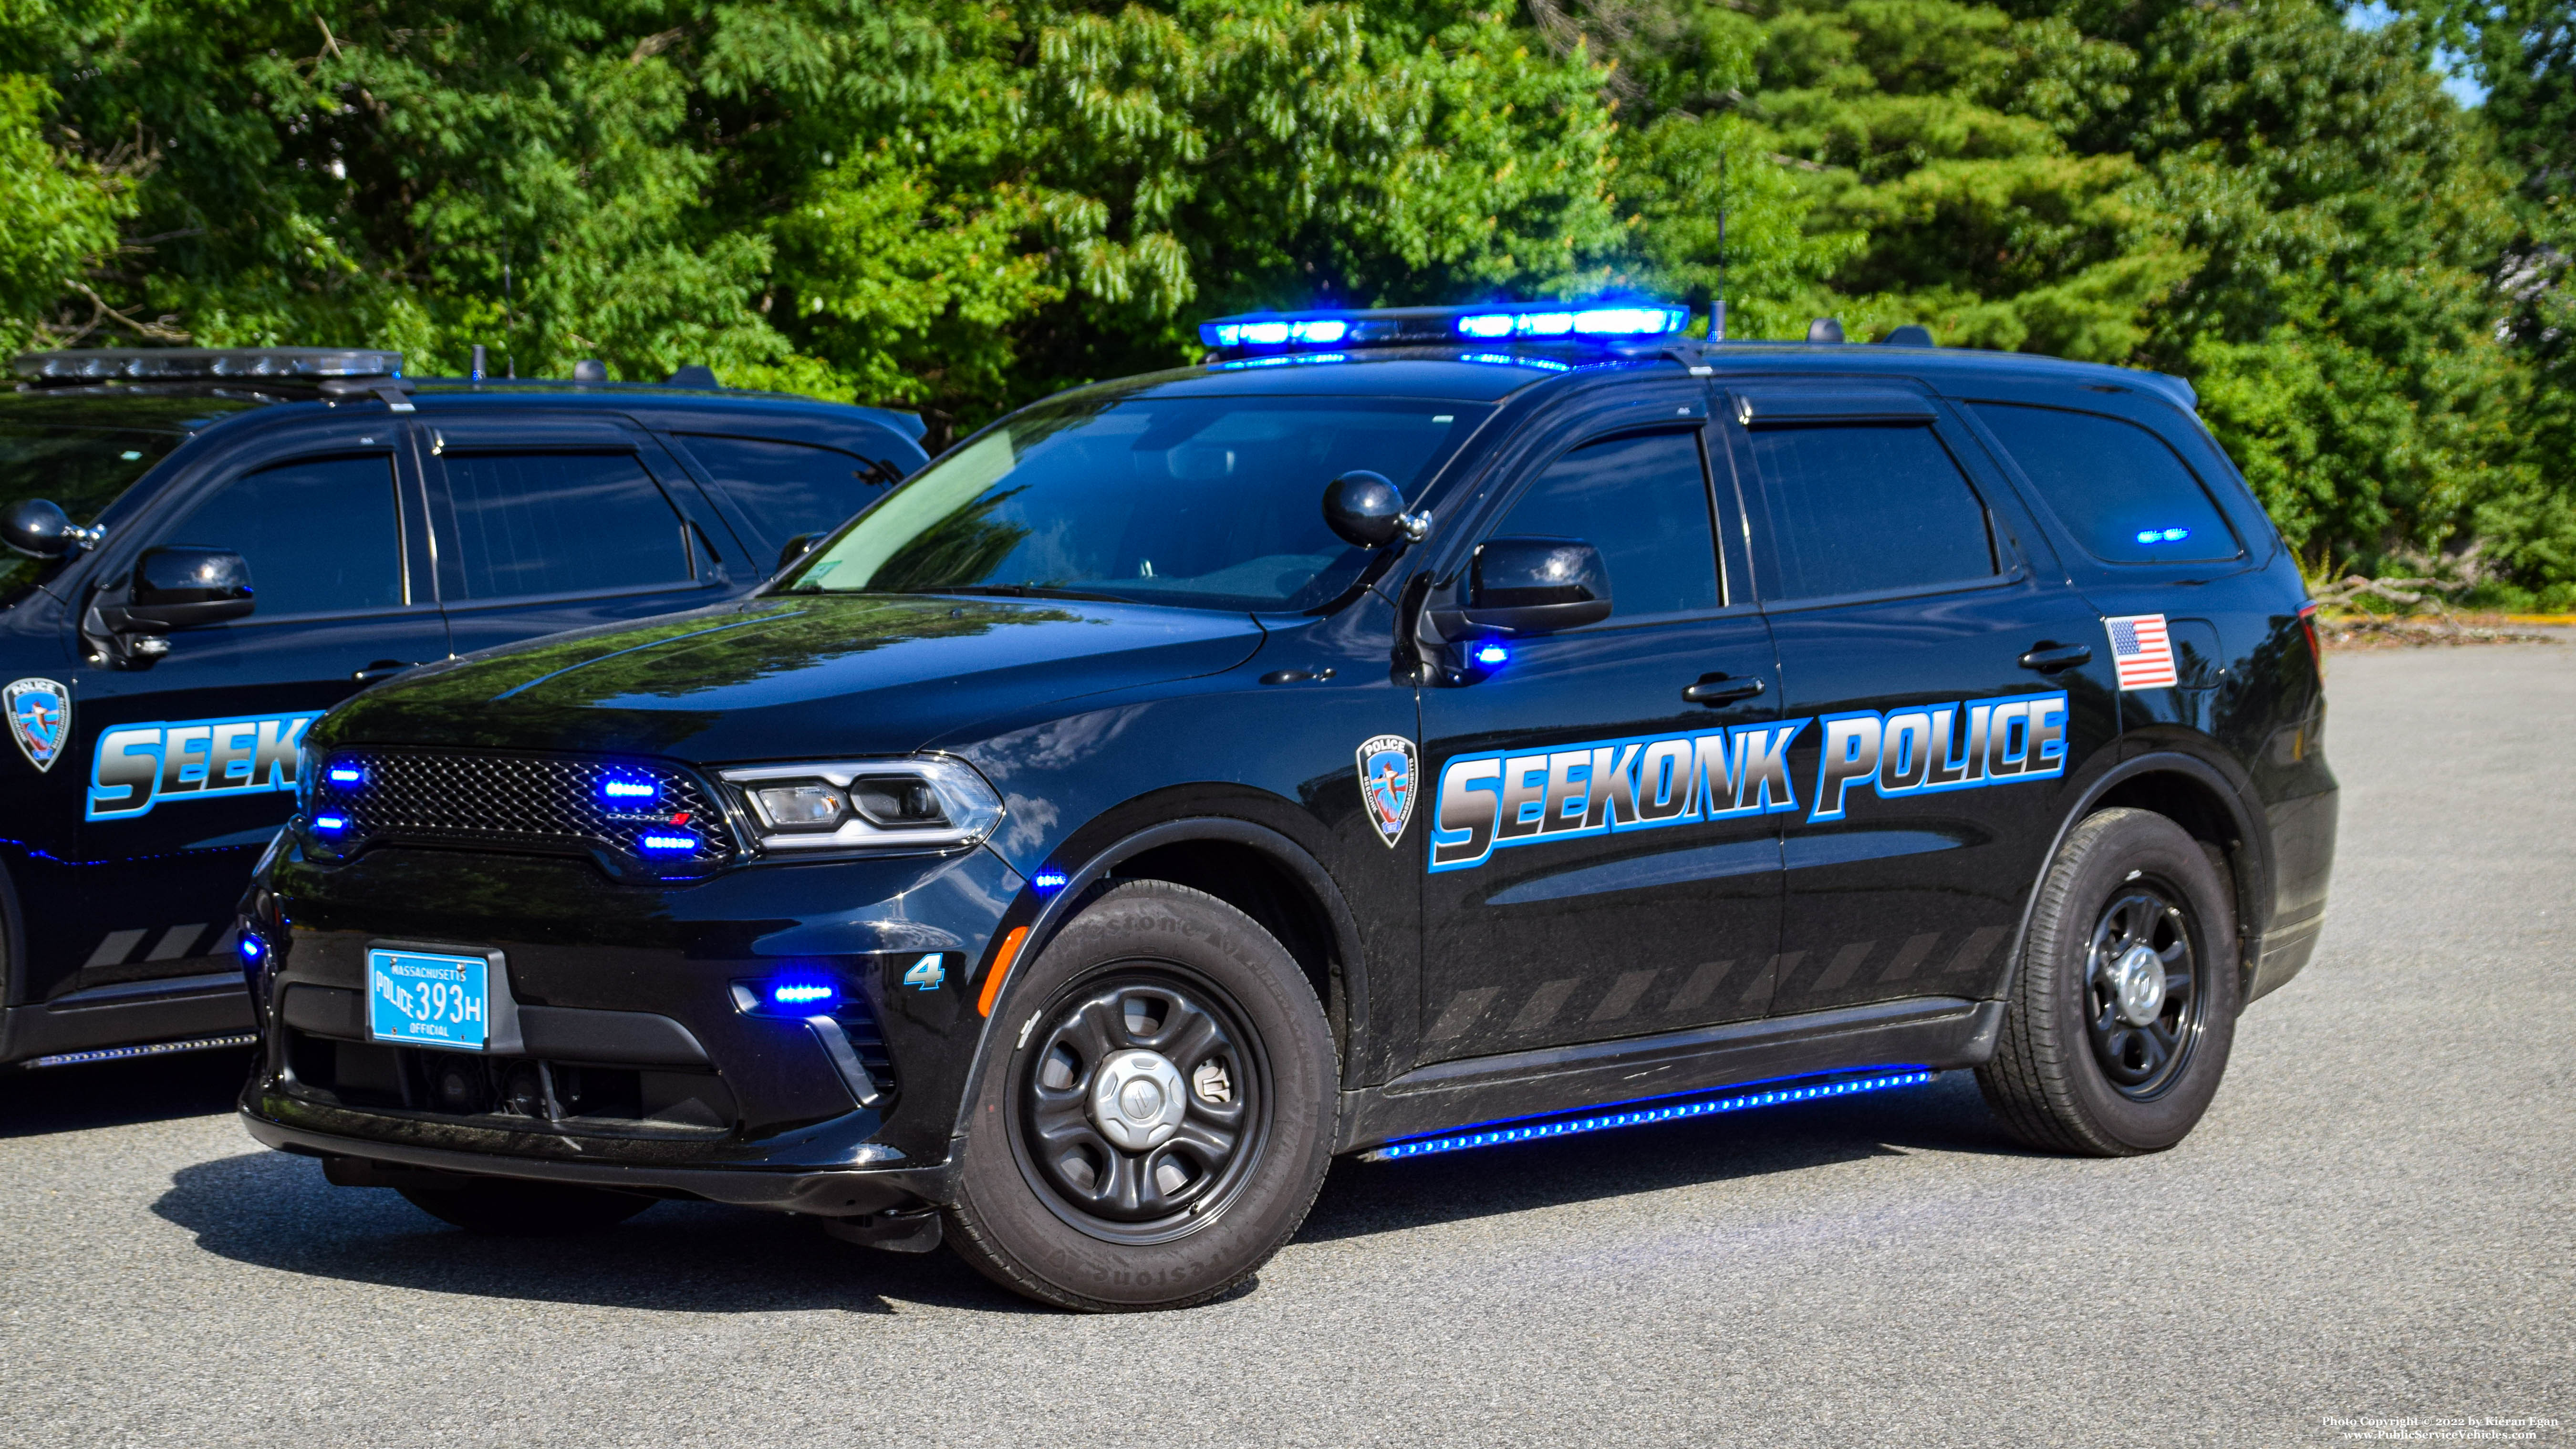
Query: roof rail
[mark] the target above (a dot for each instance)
(166, 364)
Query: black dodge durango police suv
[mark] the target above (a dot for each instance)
(210, 547)
(1409, 731)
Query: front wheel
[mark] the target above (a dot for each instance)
(2124, 1008)
(1156, 1114)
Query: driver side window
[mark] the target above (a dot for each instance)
(322, 536)
(1643, 501)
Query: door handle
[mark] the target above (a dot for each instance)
(1719, 689)
(382, 669)
(2049, 658)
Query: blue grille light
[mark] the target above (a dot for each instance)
(1642, 1116)
(1049, 880)
(800, 993)
(347, 774)
(670, 843)
(1491, 655)
(629, 790)
(330, 824)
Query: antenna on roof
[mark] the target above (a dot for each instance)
(1717, 308)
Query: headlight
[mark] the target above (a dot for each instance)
(925, 801)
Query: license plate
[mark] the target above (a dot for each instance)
(428, 999)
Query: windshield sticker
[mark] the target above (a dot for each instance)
(1491, 801)
(40, 718)
(1386, 784)
(142, 765)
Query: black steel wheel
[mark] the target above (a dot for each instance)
(1141, 1105)
(2143, 1000)
(2123, 1004)
(1155, 1108)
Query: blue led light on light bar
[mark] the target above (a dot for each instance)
(668, 843)
(800, 993)
(1640, 1116)
(1283, 360)
(346, 774)
(2163, 535)
(1049, 880)
(1490, 322)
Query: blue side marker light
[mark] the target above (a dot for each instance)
(330, 824)
(2163, 535)
(347, 775)
(252, 948)
(1048, 880)
(1642, 1116)
(800, 993)
(672, 843)
(1492, 655)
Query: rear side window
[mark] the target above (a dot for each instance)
(1642, 501)
(562, 523)
(321, 536)
(787, 488)
(2117, 487)
(1859, 509)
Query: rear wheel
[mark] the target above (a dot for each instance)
(1159, 1116)
(2124, 1008)
(503, 1207)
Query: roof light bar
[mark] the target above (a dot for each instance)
(158, 364)
(1877, 1080)
(1490, 322)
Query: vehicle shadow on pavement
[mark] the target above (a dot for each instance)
(115, 1094)
(272, 1210)
(1363, 1198)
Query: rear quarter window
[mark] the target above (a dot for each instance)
(787, 489)
(2125, 495)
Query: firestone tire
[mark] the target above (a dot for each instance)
(2124, 1009)
(1157, 1113)
(501, 1207)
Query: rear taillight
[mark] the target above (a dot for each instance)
(2308, 621)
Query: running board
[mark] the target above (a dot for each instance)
(1924, 1032)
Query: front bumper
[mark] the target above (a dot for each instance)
(633, 1061)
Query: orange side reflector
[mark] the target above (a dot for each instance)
(1002, 960)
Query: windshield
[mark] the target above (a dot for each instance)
(1213, 503)
(82, 452)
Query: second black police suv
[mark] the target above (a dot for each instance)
(207, 548)
(1410, 731)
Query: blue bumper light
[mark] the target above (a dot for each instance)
(802, 993)
(1879, 1080)
(668, 843)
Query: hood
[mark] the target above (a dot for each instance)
(799, 678)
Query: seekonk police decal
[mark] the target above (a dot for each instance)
(1386, 784)
(1490, 801)
(40, 718)
(143, 765)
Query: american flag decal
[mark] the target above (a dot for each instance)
(2142, 651)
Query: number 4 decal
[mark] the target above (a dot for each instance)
(926, 973)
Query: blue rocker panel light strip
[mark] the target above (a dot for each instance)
(1877, 1080)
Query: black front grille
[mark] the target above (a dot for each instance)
(549, 805)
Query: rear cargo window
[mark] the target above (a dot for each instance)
(787, 488)
(2124, 495)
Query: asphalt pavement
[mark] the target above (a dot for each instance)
(2371, 1224)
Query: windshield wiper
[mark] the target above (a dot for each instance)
(1026, 591)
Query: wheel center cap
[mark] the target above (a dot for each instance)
(2137, 982)
(1136, 1100)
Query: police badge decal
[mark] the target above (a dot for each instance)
(40, 718)
(1386, 784)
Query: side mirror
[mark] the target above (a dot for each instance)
(1536, 586)
(39, 528)
(182, 587)
(1366, 511)
(797, 547)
